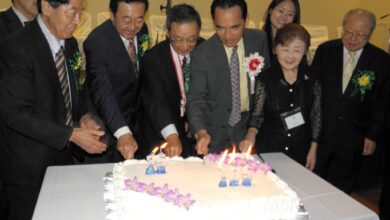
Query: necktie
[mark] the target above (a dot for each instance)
(62, 76)
(185, 67)
(235, 115)
(348, 69)
(132, 54)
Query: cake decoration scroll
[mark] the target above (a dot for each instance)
(169, 195)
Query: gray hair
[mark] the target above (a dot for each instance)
(361, 13)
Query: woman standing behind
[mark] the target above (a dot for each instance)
(287, 111)
(278, 14)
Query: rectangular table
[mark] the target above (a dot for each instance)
(76, 192)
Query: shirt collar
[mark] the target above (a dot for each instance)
(358, 53)
(126, 42)
(174, 53)
(240, 44)
(54, 43)
(21, 17)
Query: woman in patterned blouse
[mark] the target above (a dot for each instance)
(286, 116)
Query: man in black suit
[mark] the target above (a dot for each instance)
(40, 106)
(16, 16)
(165, 79)
(13, 19)
(354, 76)
(113, 50)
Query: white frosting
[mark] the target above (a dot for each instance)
(267, 198)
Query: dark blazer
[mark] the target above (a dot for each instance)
(210, 100)
(348, 117)
(9, 23)
(32, 109)
(161, 97)
(111, 78)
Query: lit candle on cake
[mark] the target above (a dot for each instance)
(151, 159)
(233, 177)
(248, 152)
(160, 160)
(246, 181)
(162, 147)
(222, 182)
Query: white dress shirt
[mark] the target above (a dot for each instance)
(21, 17)
(346, 56)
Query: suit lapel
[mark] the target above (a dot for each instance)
(118, 45)
(140, 39)
(362, 63)
(338, 57)
(170, 71)
(44, 55)
(70, 52)
(222, 64)
(248, 50)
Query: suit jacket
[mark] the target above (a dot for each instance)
(349, 117)
(34, 134)
(111, 78)
(9, 23)
(209, 100)
(161, 97)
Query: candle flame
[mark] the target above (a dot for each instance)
(154, 151)
(248, 152)
(222, 158)
(232, 155)
(163, 145)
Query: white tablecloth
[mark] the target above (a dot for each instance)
(76, 192)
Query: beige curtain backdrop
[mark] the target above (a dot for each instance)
(328, 13)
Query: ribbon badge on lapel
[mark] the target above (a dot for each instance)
(144, 44)
(363, 82)
(75, 66)
(253, 65)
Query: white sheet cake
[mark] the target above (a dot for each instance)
(200, 196)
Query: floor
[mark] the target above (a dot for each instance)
(368, 196)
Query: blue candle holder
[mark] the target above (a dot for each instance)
(149, 170)
(234, 183)
(222, 183)
(246, 182)
(161, 170)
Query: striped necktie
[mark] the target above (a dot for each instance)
(235, 115)
(348, 69)
(62, 76)
(132, 54)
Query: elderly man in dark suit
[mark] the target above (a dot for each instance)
(40, 106)
(16, 16)
(220, 94)
(113, 50)
(14, 19)
(165, 76)
(354, 76)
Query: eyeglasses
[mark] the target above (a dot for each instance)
(358, 35)
(182, 41)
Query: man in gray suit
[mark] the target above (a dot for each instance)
(220, 94)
